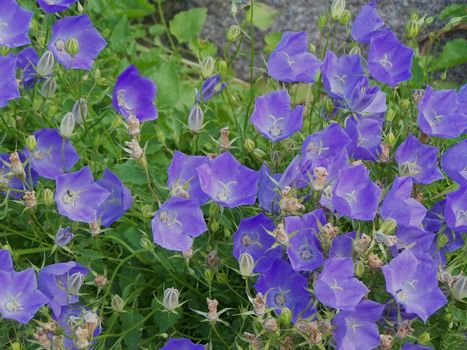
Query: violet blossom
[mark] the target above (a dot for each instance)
(14, 183)
(14, 24)
(52, 6)
(454, 162)
(367, 24)
(26, 62)
(455, 210)
(181, 344)
(342, 245)
(9, 89)
(268, 190)
(211, 87)
(366, 136)
(6, 261)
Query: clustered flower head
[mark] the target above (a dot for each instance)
(310, 225)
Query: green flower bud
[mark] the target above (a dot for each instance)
(247, 264)
(48, 197)
(146, 243)
(312, 48)
(424, 338)
(4, 50)
(249, 145)
(16, 346)
(405, 104)
(345, 18)
(459, 288)
(388, 226)
(223, 68)
(234, 33)
(160, 136)
(323, 20)
(171, 299)
(390, 114)
(337, 9)
(117, 303)
(259, 153)
(31, 142)
(208, 275)
(233, 9)
(359, 268)
(146, 210)
(97, 73)
(72, 46)
(80, 7)
(286, 315)
(207, 66)
(213, 209)
(49, 88)
(46, 63)
(196, 118)
(80, 110)
(390, 139)
(214, 225)
(442, 240)
(329, 104)
(412, 29)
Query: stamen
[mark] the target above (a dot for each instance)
(385, 61)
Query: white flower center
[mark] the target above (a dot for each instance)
(60, 45)
(335, 286)
(280, 299)
(305, 252)
(70, 197)
(385, 61)
(122, 104)
(316, 149)
(461, 217)
(225, 191)
(276, 130)
(13, 305)
(169, 219)
(410, 168)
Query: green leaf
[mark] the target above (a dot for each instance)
(132, 338)
(168, 84)
(130, 173)
(187, 25)
(453, 10)
(271, 39)
(120, 34)
(263, 15)
(454, 53)
(136, 8)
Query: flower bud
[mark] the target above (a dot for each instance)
(146, 243)
(424, 338)
(214, 225)
(74, 283)
(247, 264)
(259, 153)
(48, 197)
(323, 20)
(412, 28)
(234, 33)
(80, 110)
(249, 145)
(80, 7)
(459, 288)
(355, 50)
(337, 9)
(31, 142)
(187, 254)
(49, 87)
(223, 68)
(286, 316)
(117, 303)
(72, 46)
(195, 118)
(63, 236)
(405, 104)
(345, 18)
(67, 125)
(46, 63)
(390, 114)
(233, 9)
(207, 66)
(312, 48)
(442, 240)
(171, 299)
(16, 346)
(329, 104)
(388, 226)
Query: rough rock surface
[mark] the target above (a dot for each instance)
(302, 15)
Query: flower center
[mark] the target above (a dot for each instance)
(280, 299)
(410, 168)
(3, 25)
(246, 240)
(70, 197)
(312, 148)
(435, 119)
(351, 197)
(461, 217)
(74, 283)
(60, 45)
(385, 62)
(362, 142)
(276, 130)
(13, 305)
(341, 78)
(290, 62)
(168, 219)
(122, 104)
(335, 286)
(39, 155)
(305, 252)
(223, 194)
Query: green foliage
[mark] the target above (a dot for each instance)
(187, 25)
(453, 54)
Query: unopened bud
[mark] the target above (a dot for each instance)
(117, 303)
(359, 268)
(67, 125)
(48, 197)
(207, 66)
(412, 29)
(72, 46)
(100, 281)
(388, 226)
(286, 316)
(323, 20)
(247, 264)
(424, 338)
(390, 114)
(259, 153)
(80, 110)
(80, 7)
(405, 104)
(29, 199)
(329, 104)
(233, 9)
(46, 63)
(214, 225)
(49, 88)
(171, 299)
(16, 346)
(249, 145)
(345, 18)
(442, 240)
(74, 283)
(337, 9)
(196, 118)
(234, 33)
(31, 142)
(187, 254)
(459, 288)
(223, 68)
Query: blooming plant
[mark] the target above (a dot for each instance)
(152, 197)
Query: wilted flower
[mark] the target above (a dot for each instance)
(274, 118)
(357, 327)
(134, 149)
(61, 284)
(27, 62)
(183, 179)
(78, 196)
(55, 5)
(9, 88)
(181, 343)
(20, 298)
(336, 285)
(77, 28)
(211, 87)
(285, 288)
(228, 182)
(418, 161)
(14, 24)
(441, 113)
(304, 249)
(134, 94)
(413, 283)
(29, 199)
(399, 206)
(176, 223)
(117, 203)
(291, 62)
(354, 194)
(367, 24)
